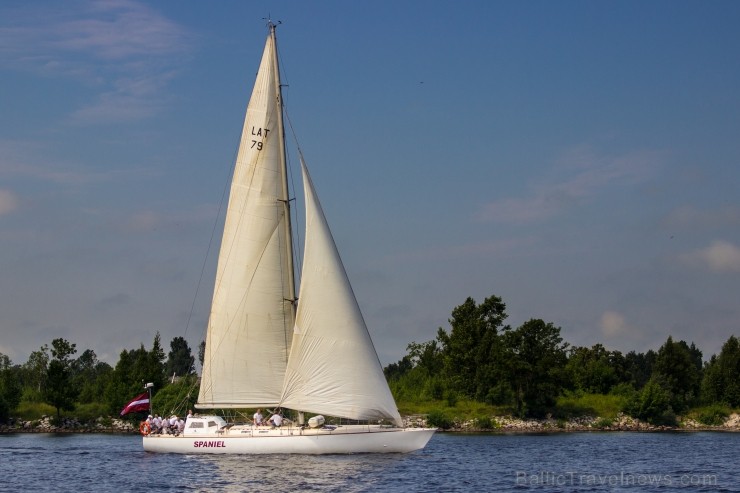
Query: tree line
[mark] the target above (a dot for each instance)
(527, 368)
(55, 377)
(524, 369)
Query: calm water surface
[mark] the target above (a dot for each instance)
(451, 462)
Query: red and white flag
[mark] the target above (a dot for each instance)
(138, 404)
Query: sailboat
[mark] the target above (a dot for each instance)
(268, 348)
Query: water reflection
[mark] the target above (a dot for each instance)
(348, 473)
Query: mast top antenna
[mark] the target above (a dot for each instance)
(270, 23)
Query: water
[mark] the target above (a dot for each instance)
(633, 462)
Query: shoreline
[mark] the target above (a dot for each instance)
(509, 424)
(498, 425)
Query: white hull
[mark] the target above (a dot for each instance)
(353, 439)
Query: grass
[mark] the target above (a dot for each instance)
(604, 406)
(712, 415)
(34, 410)
(604, 423)
(569, 406)
(443, 415)
(465, 409)
(88, 413)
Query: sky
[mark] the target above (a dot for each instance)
(580, 160)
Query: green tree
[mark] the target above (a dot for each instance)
(721, 382)
(653, 403)
(180, 361)
(639, 367)
(59, 390)
(133, 370)
(595, 370)
(90, 376)
(679, 366)
(469, 350)
(176, 398)
(395, 371)
(534, 362)
(155, 361)
(426, 356)
(33, 374)
(417, 375)
(10, 389)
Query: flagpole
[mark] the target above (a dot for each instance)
(149, 388)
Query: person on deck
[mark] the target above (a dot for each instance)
(258, 417)
(276, 419)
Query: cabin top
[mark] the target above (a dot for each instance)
(203, 425)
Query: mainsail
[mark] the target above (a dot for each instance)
(252, 314)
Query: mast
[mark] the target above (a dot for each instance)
(283, 162)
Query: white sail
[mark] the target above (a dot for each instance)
(333, 367)
(251, 320)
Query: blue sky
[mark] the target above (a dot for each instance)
(579, 159)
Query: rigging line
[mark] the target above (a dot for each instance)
(296, 247)
(287, 324)
(208, 251)
(296, 236)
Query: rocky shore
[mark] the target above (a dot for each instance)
(68, 425)
(508, 424)
(497, 424)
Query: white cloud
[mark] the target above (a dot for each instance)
(7, 352)
(581, 175)
(612, 324)
(518, 210)
(125, 49)
(118, 30)
(8, 202)
(30, 159)
(720, 256)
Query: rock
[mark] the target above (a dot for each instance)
(733, 421)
